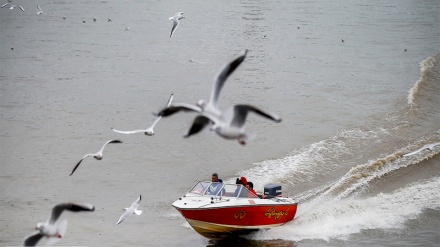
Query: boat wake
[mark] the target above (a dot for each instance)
(331, 218)
(359, 179)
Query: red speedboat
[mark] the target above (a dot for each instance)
(218, 211)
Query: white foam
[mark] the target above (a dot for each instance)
(424, 65)
(311, 161)
(339, 218)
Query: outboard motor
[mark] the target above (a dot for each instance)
(272, 190)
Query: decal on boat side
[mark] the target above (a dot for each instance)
(240, 214)
(276, 215)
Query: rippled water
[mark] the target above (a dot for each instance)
(350, 110)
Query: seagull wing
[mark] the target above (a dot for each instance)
(427, 146)
(21, 8)
(136, 204)
(6, 4)
(123, 217)
(175, 24)
(223, 75)
(108, 142)
(33, 239)
(79, 162)
(170, 100)
(416, 151)
(128, 131)
(199, 123)
(241, 111)
(74, 207)
(174, 108)
(160, 117)
(38, 6)
(155, 122)
(432, 145)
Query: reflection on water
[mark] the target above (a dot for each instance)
(243, 242)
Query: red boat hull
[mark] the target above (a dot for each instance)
(221, 222)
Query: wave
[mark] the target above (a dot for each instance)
(340, 196)
(356, 180)
(425, 68)
(337, 219)
(333, 167)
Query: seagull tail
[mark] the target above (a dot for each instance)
(52, 240)
(62, 227)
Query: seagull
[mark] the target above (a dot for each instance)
(12, 6)
(97, 155)
(230, 124)
(427, 146)
(40, 12)
(131, 210)
(211, 107)
(150, 130)
(176, 18)
(52, 229)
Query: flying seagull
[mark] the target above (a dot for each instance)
(427, 146)
(210, 107)
(52, 229)
(176, 18)
(228, 124)
(12, 6)
(131, 210)
(97, 155)
(150, 130)
(40, 11)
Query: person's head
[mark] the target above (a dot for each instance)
(214, 177)
(250, 185)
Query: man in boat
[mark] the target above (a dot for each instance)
(250, 187)
(216, 184)
(215, 178)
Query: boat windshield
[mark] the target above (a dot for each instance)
(220, 189)
(200, 187)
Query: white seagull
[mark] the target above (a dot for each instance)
(131, 210)
(150, 130)
(176, 18)
(228, 124)
(40, 11)
(210, 107)
(427, 146)
(52, 229)
(12, 6)
(97, 155)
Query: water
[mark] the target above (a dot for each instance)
(350, 110)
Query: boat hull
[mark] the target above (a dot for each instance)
(223, 222)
